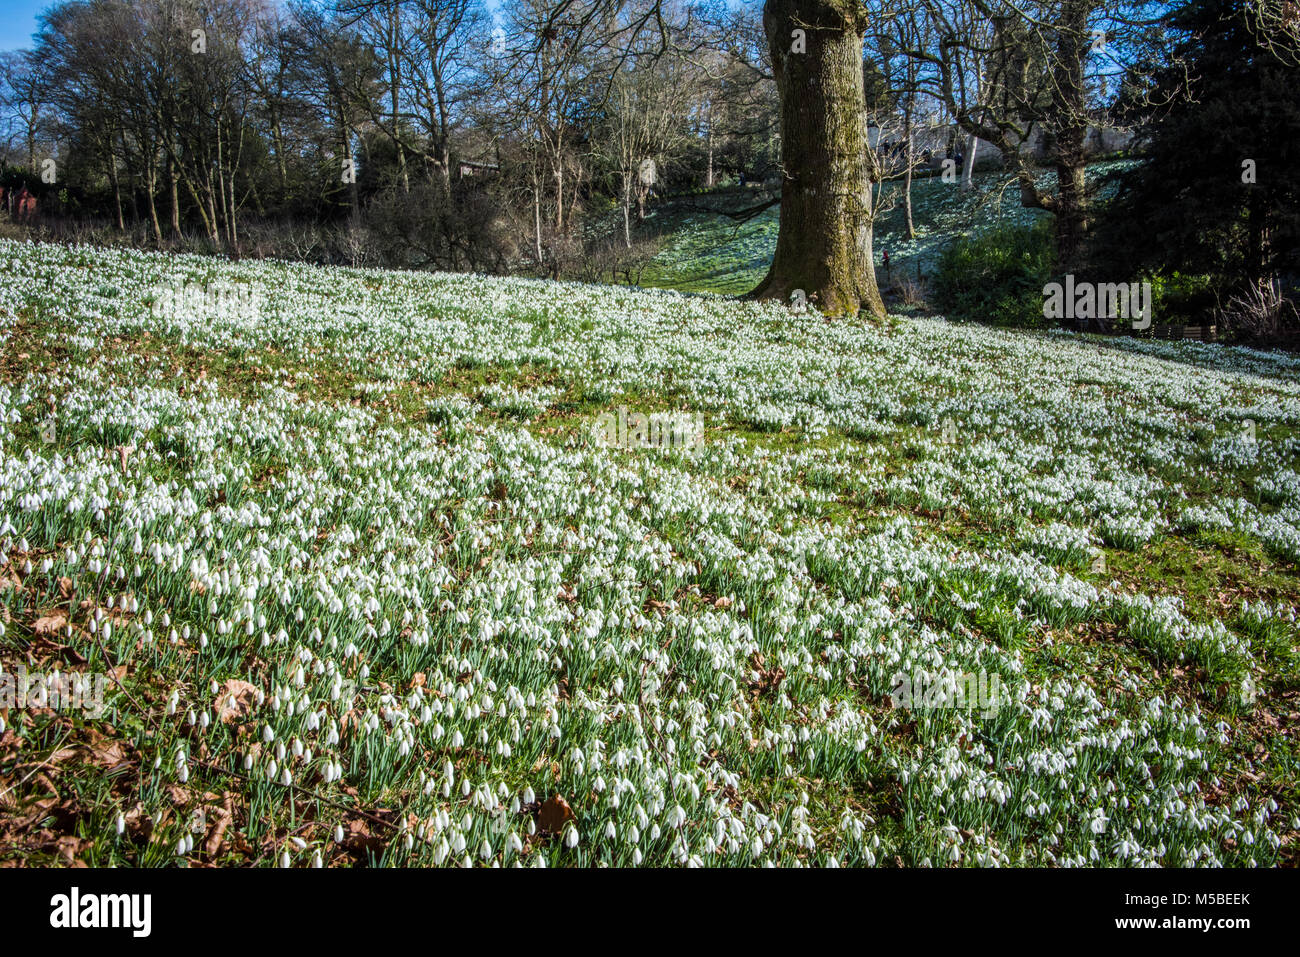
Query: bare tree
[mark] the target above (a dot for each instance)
(1013, 72)
(645, 124)
(23, 95)
(339, 74)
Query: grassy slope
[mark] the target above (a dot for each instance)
(710, 253)
(822, 438)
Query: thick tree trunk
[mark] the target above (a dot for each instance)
(1071, 209)
(823, 248)
(1070, 106)
(909, 227)
(151, 178)
(175, 198)
(968, 168)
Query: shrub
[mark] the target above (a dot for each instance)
(431, 227)
(997, 276)
(1182, 298)
(1260, 311)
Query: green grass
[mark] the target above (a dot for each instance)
(709, 253)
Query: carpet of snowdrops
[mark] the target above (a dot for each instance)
(371, 590)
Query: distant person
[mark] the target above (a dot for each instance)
(24, 205)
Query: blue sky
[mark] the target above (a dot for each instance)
(18, 22)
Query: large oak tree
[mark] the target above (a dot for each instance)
(823, 248)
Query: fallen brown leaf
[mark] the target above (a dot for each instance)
(236, 700)
(217, 832)
(554, 814)
(50, 624)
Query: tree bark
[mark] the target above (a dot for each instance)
(708, 176)
(175, 198)
(117, 189)
(1070, 106)
(824, 244)
(627, 209)
(151, 179)
(909, 157)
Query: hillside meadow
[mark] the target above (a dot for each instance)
(371, 586)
